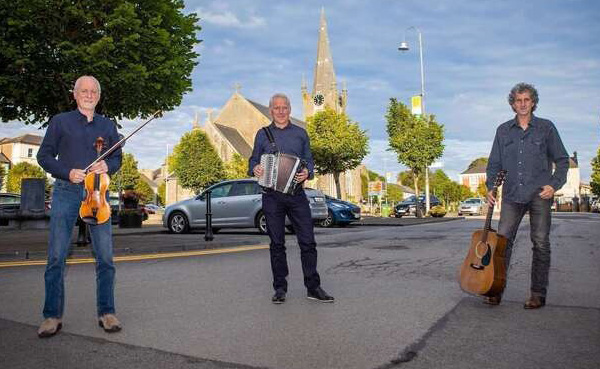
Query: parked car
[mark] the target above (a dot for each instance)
(234, 204)
(340, 213)
(12, 201)
(153, 209)
(409, 206)
(472, 206)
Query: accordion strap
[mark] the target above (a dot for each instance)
(270, 138)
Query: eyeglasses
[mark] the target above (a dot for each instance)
(86, 92)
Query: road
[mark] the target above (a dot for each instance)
(397, 306)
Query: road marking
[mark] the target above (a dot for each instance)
(166, 255)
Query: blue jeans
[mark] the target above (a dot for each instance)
(276, 206)
(540, 220)
(66, 200)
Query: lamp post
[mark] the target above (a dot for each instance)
(404, 47)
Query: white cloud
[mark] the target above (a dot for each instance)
(226, 18)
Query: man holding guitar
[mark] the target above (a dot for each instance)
(527, 147)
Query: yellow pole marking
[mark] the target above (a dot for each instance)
(166, 255)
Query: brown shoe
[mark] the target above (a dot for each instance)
(492, 300)
(110, 323)
(535, 302)
(49, 327)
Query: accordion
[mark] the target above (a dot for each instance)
(279, 171)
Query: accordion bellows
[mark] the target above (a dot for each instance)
(279, 171)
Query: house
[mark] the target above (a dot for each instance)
(473, 176)
(16, 150)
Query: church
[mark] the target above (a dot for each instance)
(233, 130)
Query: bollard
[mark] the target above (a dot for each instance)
(208, 234)
(82, 234)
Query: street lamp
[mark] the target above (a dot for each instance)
(403, 48)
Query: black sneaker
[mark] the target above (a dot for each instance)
(319, 294)
(278, 297)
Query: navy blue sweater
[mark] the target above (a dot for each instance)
(289, 140)
(69, 143)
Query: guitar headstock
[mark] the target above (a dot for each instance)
(500, 178)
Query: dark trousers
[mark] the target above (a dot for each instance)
(540, 220)
(276, 206)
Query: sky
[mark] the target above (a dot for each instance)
(474, 52)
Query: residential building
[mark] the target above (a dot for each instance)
(19, 149)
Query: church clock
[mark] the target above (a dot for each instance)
(318, 99)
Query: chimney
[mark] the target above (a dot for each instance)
(575, 157)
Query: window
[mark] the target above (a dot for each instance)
(245, 188)
(29, 153)
(221, 191)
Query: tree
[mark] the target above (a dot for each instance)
(481, 190)
(595, 180)
(2, 174)
(394, 192)
(237, 167)
(479, 161)
(364, 185)
(373, 176)
(128, 175)
(24, 170)
(144, 191)
(195, 162)
(417, 140)
(140, 51)
(406, 178)
(337, 143)
(162, 191)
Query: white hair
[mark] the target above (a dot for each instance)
(78, 82)
(279, 95)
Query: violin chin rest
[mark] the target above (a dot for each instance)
(90, 220)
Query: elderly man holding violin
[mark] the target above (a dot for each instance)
(73, 141)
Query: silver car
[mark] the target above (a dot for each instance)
(472, 206)
(234, 204)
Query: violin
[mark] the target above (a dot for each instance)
(95, 209)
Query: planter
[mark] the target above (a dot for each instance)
(130, 219)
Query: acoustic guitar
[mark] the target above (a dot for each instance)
(483, 272)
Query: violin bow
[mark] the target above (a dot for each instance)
(114, 147)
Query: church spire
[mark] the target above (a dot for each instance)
(324, 93)
(324, 76)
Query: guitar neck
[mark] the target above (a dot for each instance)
(488, 219)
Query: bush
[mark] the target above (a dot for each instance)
(437, 211)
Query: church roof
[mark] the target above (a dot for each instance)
(235, 139)
(265, 111)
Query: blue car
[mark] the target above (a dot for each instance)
(340, 212)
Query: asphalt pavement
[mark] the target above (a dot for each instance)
(397, 304)
(152, 237)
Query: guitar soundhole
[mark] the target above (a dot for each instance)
(486, 257)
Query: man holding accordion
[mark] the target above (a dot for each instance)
(282, 139)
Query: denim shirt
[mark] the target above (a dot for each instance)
(289, 140)
(69, 143)
(527, 156)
